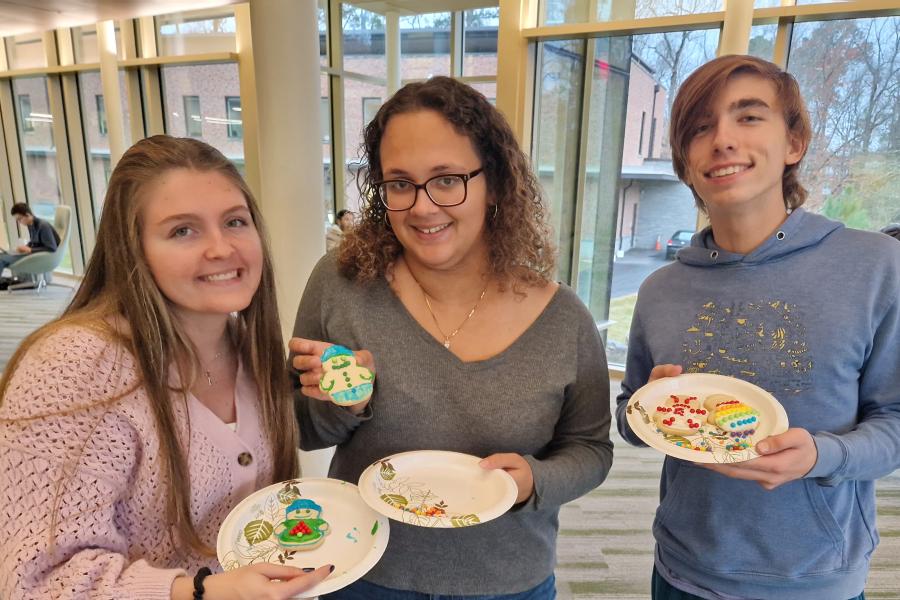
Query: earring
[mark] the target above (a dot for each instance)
(496, 210)
(387, 222)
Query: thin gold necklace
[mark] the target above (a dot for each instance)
(446, 337)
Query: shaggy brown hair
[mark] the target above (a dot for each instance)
(517, 234)
(703, 85)
(119, 287)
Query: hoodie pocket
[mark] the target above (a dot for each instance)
(724, 525)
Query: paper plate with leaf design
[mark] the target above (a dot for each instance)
(436, 488)
(704, 417)
(305, 523)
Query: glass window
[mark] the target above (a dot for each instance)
(37, 146)
(327, 157)
(25, 51)
(96, 141)
(233, 115)
(762, 41)
(480, 41)
(425, 45)
(847, 71)
(196, 32)
(25, 111)
(101, 114)
(357, 114)
(193, 120)
(556, 137)
(322, 12)
(554, 12)
(205, 115)
(363, 41)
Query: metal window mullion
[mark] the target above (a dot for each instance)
(587, 88)
(82, 201)
(457, 43)
(154, 121)
(132, 80)
(249, 104)
(336, 97)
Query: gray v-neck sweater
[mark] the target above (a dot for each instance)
(545, 397)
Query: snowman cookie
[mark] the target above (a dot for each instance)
(680, 415)
(345, 382)
(302, 528)
(732, 416)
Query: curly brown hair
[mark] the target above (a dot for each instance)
(520, 249)
(704, 84)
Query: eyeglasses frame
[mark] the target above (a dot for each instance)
(422, 186)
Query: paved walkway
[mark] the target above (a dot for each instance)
(605, 546)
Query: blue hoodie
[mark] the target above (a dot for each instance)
(812, 316)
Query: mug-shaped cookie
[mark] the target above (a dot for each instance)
(345, 382)
(680, 415)
(732, 416)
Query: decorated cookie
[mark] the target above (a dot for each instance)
(302, 528)
(680, 415)
(345, 382)
(732, 416)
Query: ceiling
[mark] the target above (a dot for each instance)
(34, 16)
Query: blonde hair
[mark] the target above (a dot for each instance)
(118, 283)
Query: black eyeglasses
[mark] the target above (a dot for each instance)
(449, 189)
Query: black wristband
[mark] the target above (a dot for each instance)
(202, 574)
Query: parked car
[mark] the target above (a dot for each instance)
(679, 239)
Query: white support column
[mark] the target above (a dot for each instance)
(132, 80)
(736, 29)
(112, 99)
(392, 51)
(153, 104)
(290, 153)
(457, 43)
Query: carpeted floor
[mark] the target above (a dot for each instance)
(605, 546)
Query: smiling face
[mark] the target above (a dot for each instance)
(418, 146)
(739, 150)
(200, 243)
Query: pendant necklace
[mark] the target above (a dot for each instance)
(208, 373)
(447, 337)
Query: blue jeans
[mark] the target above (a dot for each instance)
(363, 590)
(663, 590)
(8, 259)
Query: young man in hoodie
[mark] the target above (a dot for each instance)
(795, 303)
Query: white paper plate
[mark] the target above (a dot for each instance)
(357, 538)
(709, 444)
(434, 488)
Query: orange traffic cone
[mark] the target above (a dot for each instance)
(658, 244)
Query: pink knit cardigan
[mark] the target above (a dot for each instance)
(94, 465)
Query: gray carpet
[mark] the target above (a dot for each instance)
(605, 546)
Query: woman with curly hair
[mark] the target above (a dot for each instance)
(446, 284)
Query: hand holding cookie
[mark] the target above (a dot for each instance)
(308, 360)
(784, 457)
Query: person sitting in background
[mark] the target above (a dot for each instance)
(446, 281)
(133, 424)
(334, 235)
(42, 237)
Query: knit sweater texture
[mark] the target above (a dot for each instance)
(546, 397)
(79, 453)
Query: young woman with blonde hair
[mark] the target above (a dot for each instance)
(132, 425)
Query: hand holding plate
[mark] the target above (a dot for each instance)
(785, 457)
(667, 370)
(517, 467)
(263, 580)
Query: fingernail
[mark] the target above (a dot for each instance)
(331, 568)
(308, 569)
